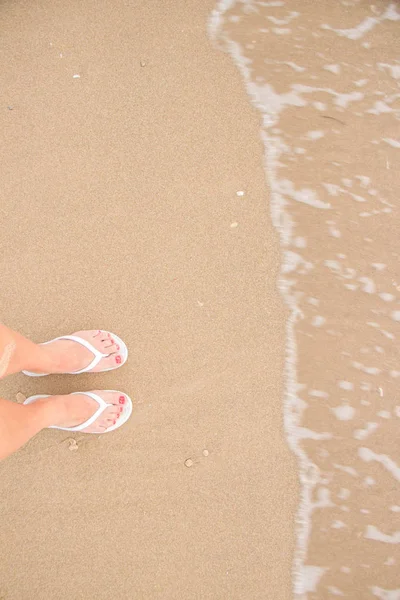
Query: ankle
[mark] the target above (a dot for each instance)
(44, 361)
(42, 413)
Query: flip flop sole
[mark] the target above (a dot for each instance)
(122, 348)
(125, 415)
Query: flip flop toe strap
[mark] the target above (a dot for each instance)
(97, 356)
(102, 407)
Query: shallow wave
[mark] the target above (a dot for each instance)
(326, 80)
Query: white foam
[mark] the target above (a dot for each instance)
(361, 434)
(335, 591)
(346, 469)
(380, 108)
(304, 195)
(303, 433)
(281, 30)
(369, 370)
(344, 493)
(346, 385)
(386, 296)
(333, 69)
(344, 412)
(294, 66)
(318, 394)
(369, 286)
(310, 577)
(383, 594)
(318, 320)
(391, 141)
(373, 533)
(368, 455)
(384, 414)
(315, 135)
(345, 569)
(394, 70)
(366, 25)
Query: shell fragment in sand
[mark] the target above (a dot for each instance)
(72, 444)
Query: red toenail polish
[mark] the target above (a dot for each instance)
(121, 400)
(118, 360)
(117, 347)
(115, 422)
(121, 409)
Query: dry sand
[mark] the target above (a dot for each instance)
(119, 195)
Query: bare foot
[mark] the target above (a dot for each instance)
(75, 409)
(67, 356)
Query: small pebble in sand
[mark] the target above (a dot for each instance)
(240, 193)
(205, 453)
(72, 445)
(76, 76)
(142, 63)
(20, 397)
(234, 225)
(188, 462)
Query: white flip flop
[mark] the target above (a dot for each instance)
(98, 356)
(126, 412)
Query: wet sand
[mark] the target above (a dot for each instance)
(126, 138)
(326, 85)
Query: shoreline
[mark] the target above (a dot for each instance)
(141, 166)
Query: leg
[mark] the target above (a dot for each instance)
(19, 422)
(18, 353)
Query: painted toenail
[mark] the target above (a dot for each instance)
(122, 400)
(117, 346)
(121, 409)
(118, 360)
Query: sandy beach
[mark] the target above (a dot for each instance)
(125, 139)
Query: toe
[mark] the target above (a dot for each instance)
(116, 402)
(110, 347)
(113, 361)
(105, 343)
(112, 398)
(99, 429)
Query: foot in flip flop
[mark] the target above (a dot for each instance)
(99, 411)
(94, 350)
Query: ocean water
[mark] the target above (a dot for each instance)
(325, 78)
